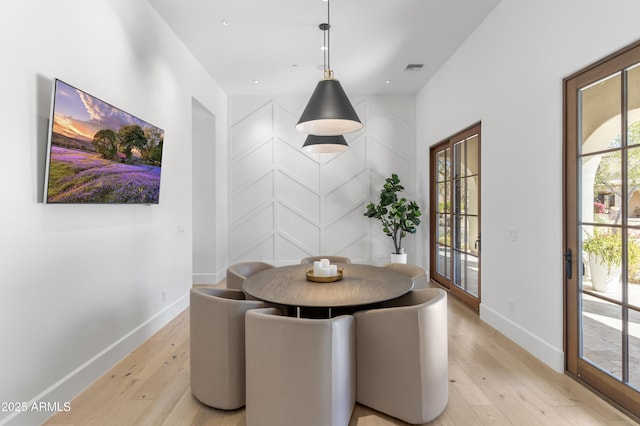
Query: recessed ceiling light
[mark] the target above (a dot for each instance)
(256, 81)
(225, 22)
(323, 48)
(295, 66)
(388, 81)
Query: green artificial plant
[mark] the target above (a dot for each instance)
(397, 215)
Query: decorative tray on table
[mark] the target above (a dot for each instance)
(324, 279)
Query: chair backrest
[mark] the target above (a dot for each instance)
(418, 275)
(300, 371)
(217, 318)
(238, 272)
(332, 259)
(402, 351)
(419, 299)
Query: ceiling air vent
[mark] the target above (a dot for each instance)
(414, 67)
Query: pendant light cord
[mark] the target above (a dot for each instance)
(328, 36)
(326, 49)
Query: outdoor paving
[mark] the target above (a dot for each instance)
(602, 333)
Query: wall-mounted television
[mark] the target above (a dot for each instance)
(97, 153)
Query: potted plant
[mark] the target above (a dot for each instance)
(605, 257)
(397, 215)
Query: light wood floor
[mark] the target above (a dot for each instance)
(492, 382)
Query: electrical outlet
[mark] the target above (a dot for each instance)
(512, 234)
(180, 229)
(511, 306)
(165, 294)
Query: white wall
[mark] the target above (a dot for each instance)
(508, 74)
(205, 241)
(286, 204)
(81, 285)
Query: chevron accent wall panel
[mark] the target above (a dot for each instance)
(286, 204)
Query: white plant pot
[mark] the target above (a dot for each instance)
(399, 258)
(602, 279)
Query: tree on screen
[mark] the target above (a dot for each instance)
(130, 137)
(106, 143)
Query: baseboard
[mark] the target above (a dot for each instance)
(539, 348)
(63, 391)
(207, 279)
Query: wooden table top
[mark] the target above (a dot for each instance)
(360, 285)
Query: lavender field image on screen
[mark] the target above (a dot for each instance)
(99, 153)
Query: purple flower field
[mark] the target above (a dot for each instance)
(83, 177)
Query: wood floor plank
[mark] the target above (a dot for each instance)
(166, 400)
(490, 415)
(492, 382)
(459, 411)
(208, 416)
(460, 380)
(185, 410)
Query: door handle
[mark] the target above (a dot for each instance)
(567, 263)
(477, 244)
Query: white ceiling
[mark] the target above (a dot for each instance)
(372, 41)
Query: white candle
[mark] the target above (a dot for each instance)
(333, 270)
(325, 263)
(316, 268)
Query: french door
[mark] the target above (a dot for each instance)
(455, 215)
(602, 226)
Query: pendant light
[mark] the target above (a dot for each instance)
(325, 144)
(328, 112)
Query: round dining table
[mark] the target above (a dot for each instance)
(360, 285)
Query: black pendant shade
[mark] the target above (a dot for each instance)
(324, 144)
(329, 112)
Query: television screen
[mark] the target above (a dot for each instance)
(98, 153)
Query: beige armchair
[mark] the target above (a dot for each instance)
(417, 274)
(401, 356)
(299, 371)
(217, 346)
(332, 259)
(238, 272)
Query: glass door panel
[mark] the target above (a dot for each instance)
(459, 160)
(633, 256)
(602, 226)
(443, 197)
(473, 159)
(443, 210)
(460, 270)
(601, 175)
(473, 270)
(601, 114)
(456, 210)
(602, 342)
(466, 231)
(473, 233)
(444, 165)
(633, 185)
(443, 261)
(443, 238)
(471, 185)
(459, 196)
(633, 103)
(634, 348)
(602, 254)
